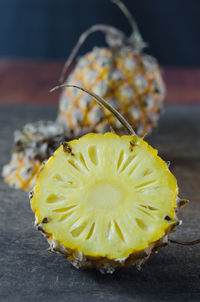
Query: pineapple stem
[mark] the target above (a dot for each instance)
(104, 104)
(135, 37)
(114, 38)
(185, 243)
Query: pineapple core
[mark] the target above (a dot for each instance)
(105, 196)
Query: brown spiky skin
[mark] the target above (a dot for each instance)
(103, 264)
(106, 265)
(32, 146)
(131, 82)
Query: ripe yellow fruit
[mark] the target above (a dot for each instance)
(135, 89)
(105, 201)
(21, 171)
(123, 75)
(34, 144)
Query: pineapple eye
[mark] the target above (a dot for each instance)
(168, 218)
(45, 220)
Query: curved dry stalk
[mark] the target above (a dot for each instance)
(113, 36)
(136, 36)
(104, 104)
(194, 242)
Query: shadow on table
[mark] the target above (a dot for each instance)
(156, 279)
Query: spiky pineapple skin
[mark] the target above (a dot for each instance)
(105, 265)
(131, 82)
(21, 171)
(32, 146)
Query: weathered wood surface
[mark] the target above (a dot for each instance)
(29, 273)
(29, 82)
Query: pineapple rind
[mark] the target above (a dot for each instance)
(134, 87)
(104, 264)
(133, 144)
(32, 145)
(21, 171)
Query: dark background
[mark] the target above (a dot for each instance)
(48, 29)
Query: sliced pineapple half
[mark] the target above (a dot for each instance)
(105, 201)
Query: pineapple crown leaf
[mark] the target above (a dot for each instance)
(135, 37)
(104, 104)
(114, 38)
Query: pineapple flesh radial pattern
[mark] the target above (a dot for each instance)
(105, 198)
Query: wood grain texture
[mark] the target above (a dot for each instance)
(29, 273)
(29, 82)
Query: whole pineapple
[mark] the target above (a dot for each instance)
(34, 144)
(106, 201)
(127, 78)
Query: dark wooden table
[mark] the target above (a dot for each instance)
(29, 273)
(29, 82)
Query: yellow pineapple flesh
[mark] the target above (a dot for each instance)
(130, 81)
(105, 201)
